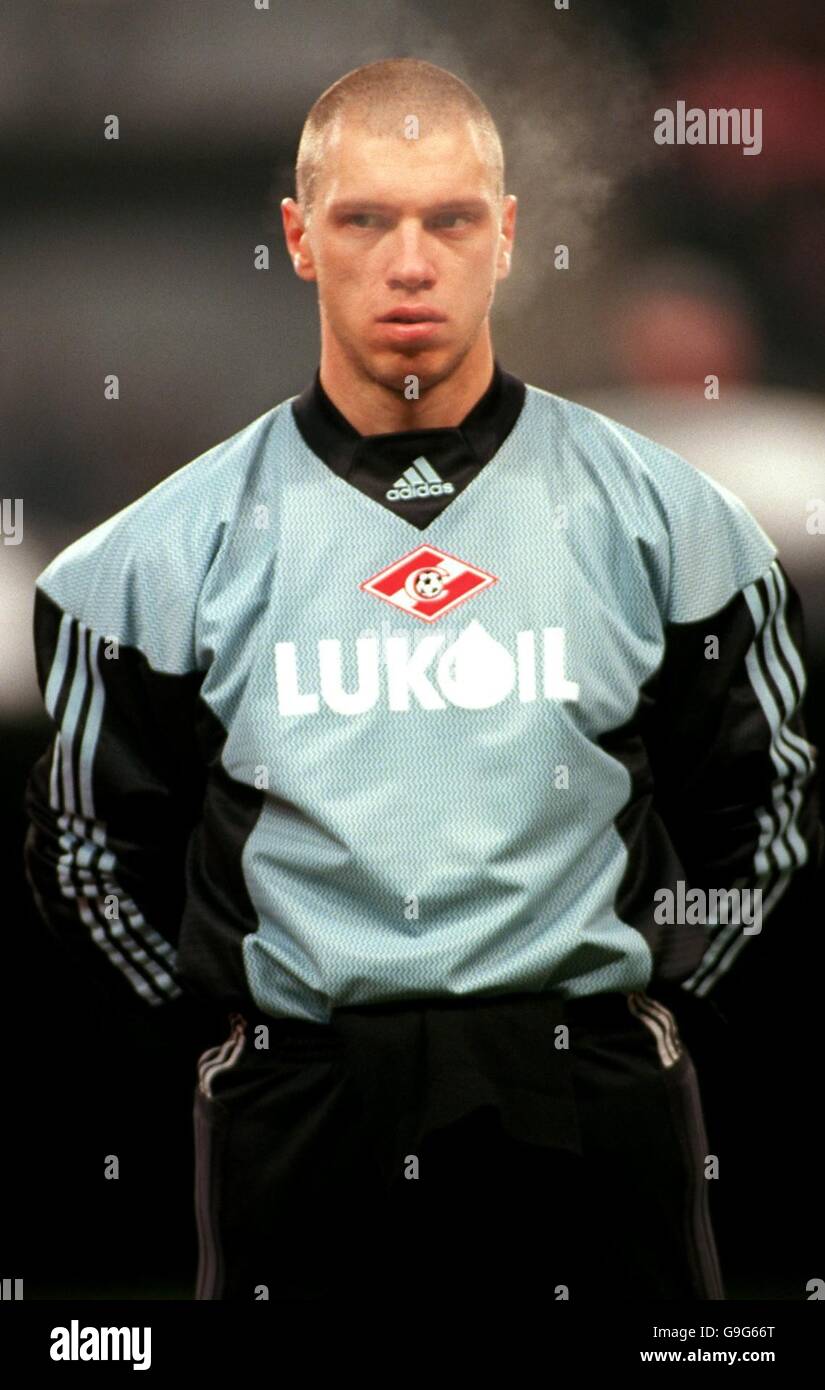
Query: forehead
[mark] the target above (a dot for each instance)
(359, 161)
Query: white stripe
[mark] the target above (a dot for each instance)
(797, 750)
(427, 469)
(792, 757)
(782, 637)
(661, 1023)
(229, 1051)
(94, 718)
(786, 806)
(761, 862)
(54, 685)
(670, 1025)
(98, 883)
(732, 948)
(165, 986)
(212, 1056)
(71, 715)
(82, 837)
(721, 938)
(95, 886)
(55, 774)
(138, 983)
(657, 1030)
(65, 739)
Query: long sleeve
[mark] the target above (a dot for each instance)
(111, 804)
(733, 770)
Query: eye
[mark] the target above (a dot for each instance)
(451, 218)
(362, 219)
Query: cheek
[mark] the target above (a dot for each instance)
(338, 283)
(345, 277)
(481, 265)
(479, 278)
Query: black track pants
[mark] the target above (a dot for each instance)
(291, 1202)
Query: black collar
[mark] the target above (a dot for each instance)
(375, 463)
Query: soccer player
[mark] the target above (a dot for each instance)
(436, 729)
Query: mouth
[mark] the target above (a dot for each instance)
(411, 325)
(412, 314)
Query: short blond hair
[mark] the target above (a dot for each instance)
(379, 96)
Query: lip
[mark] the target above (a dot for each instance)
(410, 332)
(412, 313)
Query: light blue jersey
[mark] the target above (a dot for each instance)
(310, 753)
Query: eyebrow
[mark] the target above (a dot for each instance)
(471, 204)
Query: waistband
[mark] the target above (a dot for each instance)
(590, 1010)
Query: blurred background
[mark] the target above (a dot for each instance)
(136, 257)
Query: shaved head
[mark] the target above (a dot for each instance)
(379, 99)
(402, 222)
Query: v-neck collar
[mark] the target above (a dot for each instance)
(371, 463)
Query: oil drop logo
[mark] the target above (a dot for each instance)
(476, 671)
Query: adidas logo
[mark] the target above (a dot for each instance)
(419, 480)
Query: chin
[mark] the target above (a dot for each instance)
(431, 364)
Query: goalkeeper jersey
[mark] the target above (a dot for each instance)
(344, 719)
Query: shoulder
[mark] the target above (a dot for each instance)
(715, 546)
(138, 574)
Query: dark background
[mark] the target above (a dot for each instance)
(136, 257)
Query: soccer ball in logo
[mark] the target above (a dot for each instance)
(427, 583)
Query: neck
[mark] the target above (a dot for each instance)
(373, 408)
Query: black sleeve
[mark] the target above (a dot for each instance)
(110, 806)
(733, 770)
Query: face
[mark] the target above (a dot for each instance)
(404, 227)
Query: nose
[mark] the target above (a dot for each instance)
(410, 266)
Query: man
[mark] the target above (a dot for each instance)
(400, 726)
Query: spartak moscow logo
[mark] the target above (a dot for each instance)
(428, 582)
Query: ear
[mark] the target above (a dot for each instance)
(506, 236)
(297, 242)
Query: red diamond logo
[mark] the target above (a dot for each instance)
(428, 582)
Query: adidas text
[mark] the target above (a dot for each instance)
(403, 493)
(419, 480)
